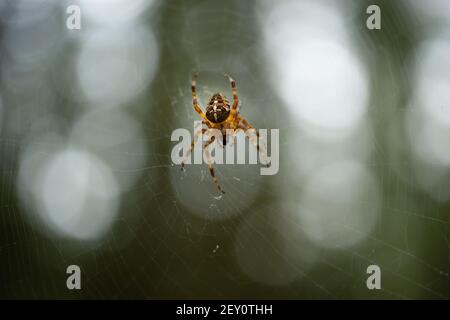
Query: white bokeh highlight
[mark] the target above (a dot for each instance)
(114, 12)
(316, 73)
(117, 138)
(116, 65)
(427, 122)
(73, 192)
(339, 205)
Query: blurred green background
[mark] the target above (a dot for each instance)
(86, 175)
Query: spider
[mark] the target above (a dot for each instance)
(219, 115)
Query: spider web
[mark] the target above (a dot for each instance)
(172, 236)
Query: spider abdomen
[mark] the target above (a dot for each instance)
(218, 108)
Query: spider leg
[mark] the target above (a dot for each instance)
(233, 136)
(244, 125)
(208, 159)
(234, 111)
(194, 140)
(194, 98)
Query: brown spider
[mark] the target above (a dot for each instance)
(219, 115)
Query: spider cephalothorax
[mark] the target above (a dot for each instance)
(218, 108)
(219, 115)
